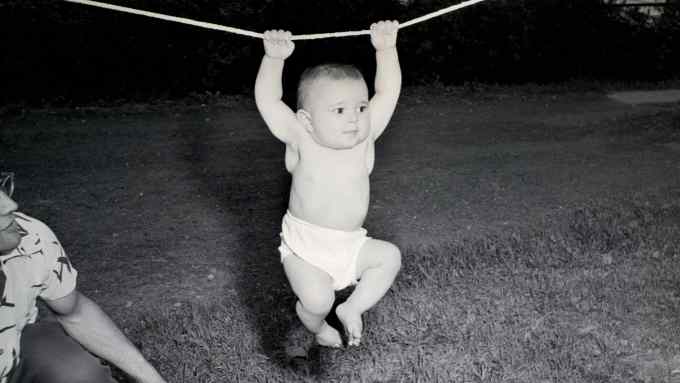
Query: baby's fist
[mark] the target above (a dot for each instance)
(278, 44)
(384, 34)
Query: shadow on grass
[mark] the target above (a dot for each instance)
(245, 178)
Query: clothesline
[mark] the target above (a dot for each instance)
(244, 32)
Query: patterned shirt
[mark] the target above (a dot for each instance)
(38, 267)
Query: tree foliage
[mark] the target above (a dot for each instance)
(59, 50)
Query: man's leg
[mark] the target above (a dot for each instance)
(377, 266)
(49, 355)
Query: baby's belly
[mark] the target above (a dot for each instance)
(332, 206)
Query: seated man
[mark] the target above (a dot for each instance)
(34, 265)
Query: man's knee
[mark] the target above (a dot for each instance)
(49, 355)
(80, 371)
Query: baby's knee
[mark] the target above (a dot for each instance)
(392, 257)
(318, 303)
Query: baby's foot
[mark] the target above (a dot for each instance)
(351, 320)
(328, 336)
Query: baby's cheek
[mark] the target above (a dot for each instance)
(364, 132)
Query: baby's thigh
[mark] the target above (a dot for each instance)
(376, 253)
(313, 286)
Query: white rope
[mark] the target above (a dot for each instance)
(439, 13)
(161, 16)
(244, 32)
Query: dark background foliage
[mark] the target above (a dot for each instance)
(54, 51)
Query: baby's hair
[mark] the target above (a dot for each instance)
(333, 71)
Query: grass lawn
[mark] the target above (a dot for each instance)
(540, 232)
(599, 302)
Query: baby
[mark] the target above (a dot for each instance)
(330, 153)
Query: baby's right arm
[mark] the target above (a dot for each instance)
(280, 119)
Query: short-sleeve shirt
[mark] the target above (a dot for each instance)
(38, 267)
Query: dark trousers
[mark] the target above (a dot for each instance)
(49, 355)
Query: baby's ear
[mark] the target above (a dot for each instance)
(305, 119)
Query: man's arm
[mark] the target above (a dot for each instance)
(85, 321)
(387, 75)
(269, 89)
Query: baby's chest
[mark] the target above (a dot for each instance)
(355, 162)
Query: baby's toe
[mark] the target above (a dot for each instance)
(329, 337)
(354, 342)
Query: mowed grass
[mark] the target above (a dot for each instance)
(595, 298)
(589, 294)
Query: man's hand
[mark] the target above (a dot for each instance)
(278, 44)
(384, 34)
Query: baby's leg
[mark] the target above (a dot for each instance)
(314, 289)
(377, 266)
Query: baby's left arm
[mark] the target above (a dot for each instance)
(387, 75)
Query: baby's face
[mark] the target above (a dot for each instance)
(340, 117)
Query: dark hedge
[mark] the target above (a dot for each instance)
(58, 51)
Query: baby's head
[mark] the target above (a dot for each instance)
(333, 105)
(331, 71)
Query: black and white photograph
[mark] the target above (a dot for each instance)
(210, 191)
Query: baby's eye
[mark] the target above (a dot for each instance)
(339, 110)
(363, 108)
